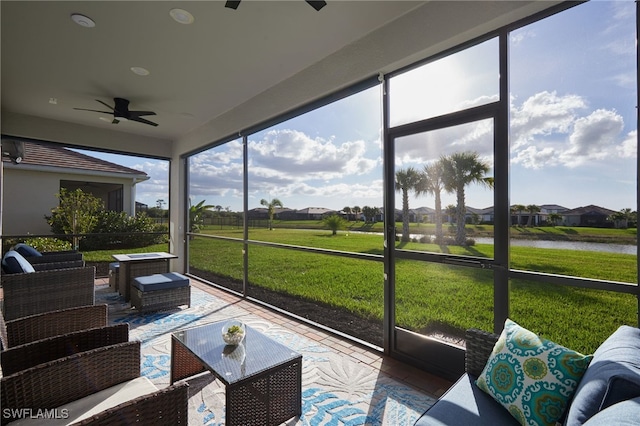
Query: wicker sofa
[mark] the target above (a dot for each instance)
(608, 393)
(47, 290)
(99, 386)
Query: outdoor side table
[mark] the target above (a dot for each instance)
(262, 378)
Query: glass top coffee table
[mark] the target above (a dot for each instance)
(262, 378)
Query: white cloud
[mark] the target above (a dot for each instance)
(297, 155)
(593, 137)
(629, 146)
(544, 113)
(547, 131)
(535, 158)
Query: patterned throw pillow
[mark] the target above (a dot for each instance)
(530, 376)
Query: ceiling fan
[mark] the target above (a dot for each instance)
(121, 112)
(317, 5)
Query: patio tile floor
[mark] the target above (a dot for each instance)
(432, 385)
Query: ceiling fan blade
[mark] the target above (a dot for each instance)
(142, 120)
(141, 113)
(232, 4)
(105, 104)
(317, 5)
(94, 110)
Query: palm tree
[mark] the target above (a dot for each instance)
(356, 211)
(196, 215)
(518, 208)
(432, 183)
(462, 169)
(271, 209)
(532, 209)
(334, 222)
(347, 211)
(406, 180)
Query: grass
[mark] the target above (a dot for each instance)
(429, 297)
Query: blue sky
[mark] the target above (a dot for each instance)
(573, 133)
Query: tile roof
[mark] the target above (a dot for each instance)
(51, 155)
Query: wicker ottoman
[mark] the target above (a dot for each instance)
(160, 291)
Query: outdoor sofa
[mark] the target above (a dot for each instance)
(32, 289)
(608, 392)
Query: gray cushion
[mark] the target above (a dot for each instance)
(14, 263)
(625, 413)
(465, 404)
(26, 250)
(160, 281)
(619, 355)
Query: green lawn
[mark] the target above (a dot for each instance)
(429, 297)
(433, 297)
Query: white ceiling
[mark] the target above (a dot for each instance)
(226, 61)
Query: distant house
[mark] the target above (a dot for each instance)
(588, 216)
(30, 186)
(260, 213)
(309, 213)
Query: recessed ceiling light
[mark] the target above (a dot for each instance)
(83, 21)
(181, 16)
(53, 101)
(140, 71)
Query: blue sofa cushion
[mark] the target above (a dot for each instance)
(26, 250)
(620, 388)
(160, 281)
(465, 404)
(625, 413)
(14, 263)
(619, 355)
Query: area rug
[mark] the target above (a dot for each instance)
(335, 389)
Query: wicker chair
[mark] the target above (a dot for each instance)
(29, 341)
(43, 291)
(30, 254)
(66, 380)
(41, 326)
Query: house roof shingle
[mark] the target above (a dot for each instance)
(46, 155)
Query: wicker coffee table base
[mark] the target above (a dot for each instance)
(269, 398)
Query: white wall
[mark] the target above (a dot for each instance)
(29, 195)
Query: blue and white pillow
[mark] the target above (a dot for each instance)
(26, 250)
(14, 263)
(532, 377)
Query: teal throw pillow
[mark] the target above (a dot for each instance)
(532, 377)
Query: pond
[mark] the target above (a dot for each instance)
(568, 245)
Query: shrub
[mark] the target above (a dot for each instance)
(81, 213)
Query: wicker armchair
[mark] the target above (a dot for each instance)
(42, 326)
(43, 291)
(29, 355)
(47, 266)
(60, 383)
(31, 255)
(29, 341)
